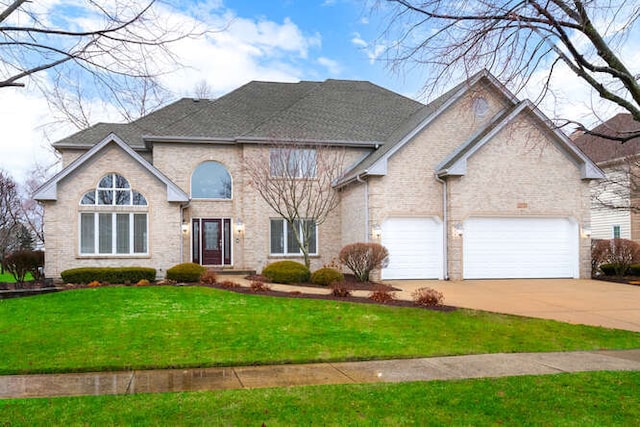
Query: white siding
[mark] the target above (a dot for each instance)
(612, 191)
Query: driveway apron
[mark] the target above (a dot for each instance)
(578, 301)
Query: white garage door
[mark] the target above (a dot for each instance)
(501, 248)
(415, 248)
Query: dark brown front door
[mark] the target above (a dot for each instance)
(212, 241)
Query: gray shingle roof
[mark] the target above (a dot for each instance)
(333, 110)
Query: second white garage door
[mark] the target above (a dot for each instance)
(415, 248)
(502, 248)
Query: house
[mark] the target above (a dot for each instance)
(476, 184)
(613, 197)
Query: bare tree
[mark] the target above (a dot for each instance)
(296, 181)
(203, 90)
(9, 208)
(516, 38)
(113, 51)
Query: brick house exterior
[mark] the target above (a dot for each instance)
(457, 188)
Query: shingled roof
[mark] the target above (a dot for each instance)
(333, 110)
(601, 149)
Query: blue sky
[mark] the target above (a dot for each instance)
(275, 40)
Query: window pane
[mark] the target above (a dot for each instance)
(211, 180)
(276, 162)
(140, 233)
(105, 197)
(105, 234)
(106, 182)
(277, 236)
(87, 233)
(310, 230)
(292, 244)
(122, 233)
(123, 197)
(138, 199)
(121, 182)
(306, 161)
(89, 198)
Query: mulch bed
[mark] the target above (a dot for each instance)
(627, 280)
(350, 283)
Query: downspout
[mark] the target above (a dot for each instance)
(366, 205)
(445, 229)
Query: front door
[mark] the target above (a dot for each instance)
(211, 241)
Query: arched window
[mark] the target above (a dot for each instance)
(105, 231)
(211, 180)
(113, 190)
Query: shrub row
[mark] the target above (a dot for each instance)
(620, 270)
(108, 274)
(286, 272)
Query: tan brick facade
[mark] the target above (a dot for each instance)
(520, 172)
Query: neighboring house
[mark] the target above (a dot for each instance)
(476, 184)
(613, 198)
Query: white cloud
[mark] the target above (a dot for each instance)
(332, 66)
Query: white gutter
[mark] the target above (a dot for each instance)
(445, 229)
(366, 206)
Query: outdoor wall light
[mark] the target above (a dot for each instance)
(586, 231)
(185, 227)
(376, 231)
(458, 229)
(239, 226)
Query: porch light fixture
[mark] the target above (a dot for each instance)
(458, 229)
(185, 227)
(376, 231)
(239, 226)
(586, 231)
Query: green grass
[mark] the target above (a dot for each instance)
(118, 328)
(593, 398)
(8, 277)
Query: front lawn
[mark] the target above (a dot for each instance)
(590, 398)
(117, 328)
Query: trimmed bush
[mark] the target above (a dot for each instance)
(108, 274)
(634, 270)
(325, 276)
(363, 258)
(188, 272)
(286, 272)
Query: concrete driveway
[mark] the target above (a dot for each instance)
(589, 302)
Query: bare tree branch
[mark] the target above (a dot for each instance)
(296, 181)
(117, 50)
(516, 38)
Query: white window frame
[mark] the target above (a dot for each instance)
(136, 204)
(284, 240)
(114, 234)
(304, 160)
(613, 231)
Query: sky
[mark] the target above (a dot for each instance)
(275, 40)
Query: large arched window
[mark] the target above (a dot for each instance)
(211, 180)
(106, 231)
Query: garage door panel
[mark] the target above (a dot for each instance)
(520, 248)
(415, 248)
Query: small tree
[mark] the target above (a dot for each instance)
(21, 263)
(620, 253)
(363, 258)
(296, 181)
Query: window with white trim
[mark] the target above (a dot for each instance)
(105, 231)
(616, 231)
(293, 162)
(211, 180)
(283, 240)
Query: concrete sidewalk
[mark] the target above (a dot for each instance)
(426, 369)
